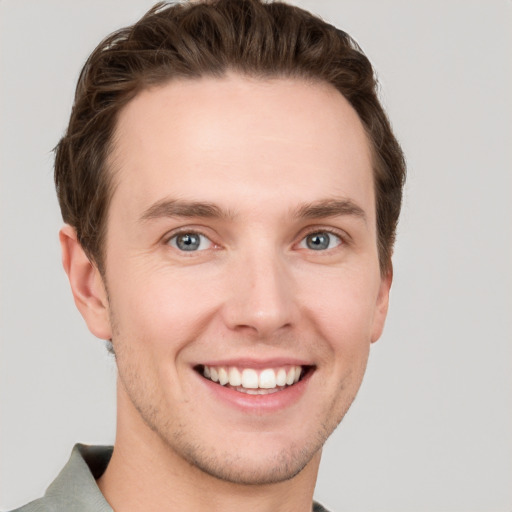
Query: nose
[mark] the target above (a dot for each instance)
(261, 299)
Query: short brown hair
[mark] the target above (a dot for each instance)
(210, 38)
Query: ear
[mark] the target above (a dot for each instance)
(86, 284)
(381, 309)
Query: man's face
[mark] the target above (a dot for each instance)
(241, 244)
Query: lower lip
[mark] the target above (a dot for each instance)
(269, 403)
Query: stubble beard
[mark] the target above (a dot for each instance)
(224, 465)
(228, 466)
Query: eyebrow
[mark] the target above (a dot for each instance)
(180, 208)
(326, 208)
(320, 209)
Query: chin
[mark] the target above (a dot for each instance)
(247, 458)
(260, 467)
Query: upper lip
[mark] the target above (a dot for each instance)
(257, 363)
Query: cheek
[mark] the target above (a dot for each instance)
(344, 306)
(344, 314)
(164, 308)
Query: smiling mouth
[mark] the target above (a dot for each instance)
(254, 381)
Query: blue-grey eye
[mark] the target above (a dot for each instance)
(320, 241)
(190, 242)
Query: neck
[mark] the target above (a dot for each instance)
(146, 474)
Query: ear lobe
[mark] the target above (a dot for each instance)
(381, 309)
(86, 284)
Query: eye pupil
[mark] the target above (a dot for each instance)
(188, 241)
(318, 241)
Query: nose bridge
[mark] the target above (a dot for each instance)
(261, 291)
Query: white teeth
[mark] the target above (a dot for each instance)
(254, 381)
(281, 377)
(267, 379)
(223, 376)
(249, 379)
(235, 379)
(290, 376)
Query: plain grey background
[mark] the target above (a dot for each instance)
(431, 429)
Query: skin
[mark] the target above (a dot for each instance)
(263, 152)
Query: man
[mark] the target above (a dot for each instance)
(230, 186)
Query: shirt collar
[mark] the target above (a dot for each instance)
(75, 487)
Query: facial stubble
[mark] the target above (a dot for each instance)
(227, 466)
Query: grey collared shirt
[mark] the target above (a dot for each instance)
(75, 488)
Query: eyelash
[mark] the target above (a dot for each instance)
(342, 236)
(195, 232)
(315, 230)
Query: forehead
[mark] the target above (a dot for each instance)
(217, 139)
